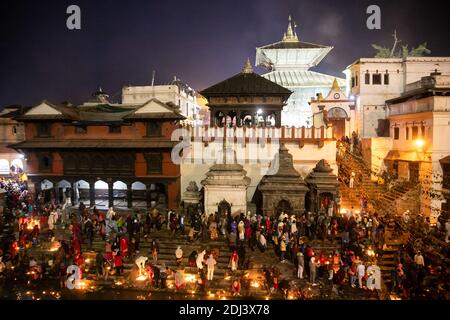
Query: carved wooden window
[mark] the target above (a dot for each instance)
(80, 129)
(154, 163)
(45, 162)
(153, 129)
(367, 78)
(115, 129)
(44, 129)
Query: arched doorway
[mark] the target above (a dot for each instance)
(220, 119)
(81, 192)
(336, 117)
(138, 198)
(101, 193)
(283, 206)
(63, 190)
(156, 196)
(119, 194)
(47, 190)
(325, 201)
(223, 208)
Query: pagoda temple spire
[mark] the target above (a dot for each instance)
(247, 67)
(290, 35)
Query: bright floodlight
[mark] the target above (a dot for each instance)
(259, 111)
(420, 143)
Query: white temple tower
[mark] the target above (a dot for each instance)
(288, 62)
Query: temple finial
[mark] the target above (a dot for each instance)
(247, 67)
(335, 86)
(290, 35)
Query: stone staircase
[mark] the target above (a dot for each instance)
(381, 199)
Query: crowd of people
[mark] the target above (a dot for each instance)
(357, 237)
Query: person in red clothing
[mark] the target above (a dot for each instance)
(150, 274)
(75, 230)
(108, 252)
(118, 263)
(124, 246)
(236, 287)
(268, 226)
(309, 252)
(248, 231)
(13, 249)
(76, 246)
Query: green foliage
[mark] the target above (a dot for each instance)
(382, 52)
(403, 52)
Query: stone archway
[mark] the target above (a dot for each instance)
(283, 206)
(224, 208)
(138, 194)
(47, 189)
(119, 194)
(336, 117)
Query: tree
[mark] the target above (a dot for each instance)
(403, 52)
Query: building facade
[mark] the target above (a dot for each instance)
(176, 92)
(102, 154)
(420, 130)
(372, 81)
(243, 139)
(289, 62)
(11, 132)
(335, 110)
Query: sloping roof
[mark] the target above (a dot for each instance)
(88, 143)
(155, 109)
(298, 78)
(292, 45)
(57, 112)
(245, 84)
(100, 112)
(13, 112)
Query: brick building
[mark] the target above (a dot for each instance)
(103, 154)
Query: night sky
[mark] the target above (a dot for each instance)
(201, 42)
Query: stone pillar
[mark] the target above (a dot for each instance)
(56, 188)
(110, 195)
(278, 119)
(129, 196)
(92, 193)
(73, 194)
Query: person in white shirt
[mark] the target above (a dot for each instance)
(360, 271)
(418, 259)
(210, 263)
(262, 242)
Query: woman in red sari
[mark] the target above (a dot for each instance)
(124, 246)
